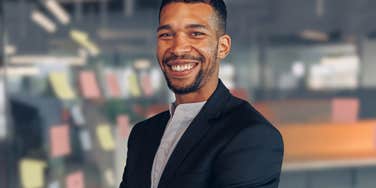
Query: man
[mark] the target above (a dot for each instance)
(208, 138)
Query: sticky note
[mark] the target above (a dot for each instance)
(3, 124)
(3, 127)
(122, 122)
(77, 115)
(123, 82)
(85, 140)
(75, 180)
(89, 85)
(54, 184)
(133, 85)
(156, 78)
(61, 86)
(32, 173)
(109, 176)
(113, 87)
(59, 140)
(105, 137)
(146, 85)
(345, 110)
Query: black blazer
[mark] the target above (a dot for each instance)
(228, 144)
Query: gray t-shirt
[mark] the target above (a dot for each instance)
(180, 118)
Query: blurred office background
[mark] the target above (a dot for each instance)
(76, 75)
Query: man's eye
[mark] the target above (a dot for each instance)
(196, 34)
(164, 35)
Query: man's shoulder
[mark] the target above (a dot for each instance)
(245, 116)
(242, 110)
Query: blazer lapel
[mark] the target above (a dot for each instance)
(196, 130)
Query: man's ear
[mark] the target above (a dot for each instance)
(224, 46)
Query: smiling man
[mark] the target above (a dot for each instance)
(208, 138)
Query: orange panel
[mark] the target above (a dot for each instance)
(325, 140)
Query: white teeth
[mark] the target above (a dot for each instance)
(180, 68)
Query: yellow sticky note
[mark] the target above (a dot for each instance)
(105, 137)
(134, 88)
(61, 86)
(32, 173)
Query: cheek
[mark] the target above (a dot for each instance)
(210, 53)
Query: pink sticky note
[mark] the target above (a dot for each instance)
(123, 125)
(146, 85)
(59, 140)
(345, 110)
(75, 180)
(113, 85)
(89, 85)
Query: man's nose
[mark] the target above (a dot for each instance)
(180, 45)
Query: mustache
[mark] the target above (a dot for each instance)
(174, 57)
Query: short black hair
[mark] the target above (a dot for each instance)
(218, 5)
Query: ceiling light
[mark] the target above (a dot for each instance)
(314, 35)
(10, 49)
(40, 19)
(19, 71)
(58, 11)
(47, 59)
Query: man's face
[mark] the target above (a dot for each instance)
(188, 46)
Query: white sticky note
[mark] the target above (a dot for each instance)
(85, 140)
(156, 77)
(77, 115)
(124, 82)
(54, 184)
(109, 176)
(3, 127)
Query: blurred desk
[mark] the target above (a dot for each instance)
(320, 146)
(320, 163)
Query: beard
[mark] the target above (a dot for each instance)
(187, 89)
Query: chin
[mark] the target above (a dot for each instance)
(185, 86)
(182, 87)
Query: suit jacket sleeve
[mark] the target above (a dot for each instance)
(131, 141)
(252, 159)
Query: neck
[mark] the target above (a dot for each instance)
(200, 95)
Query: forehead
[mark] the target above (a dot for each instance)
(175, 14)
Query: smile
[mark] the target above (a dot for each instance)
(183, 67)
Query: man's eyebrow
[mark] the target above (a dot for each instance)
(190, 26)
(196, 26)
(162, 27)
